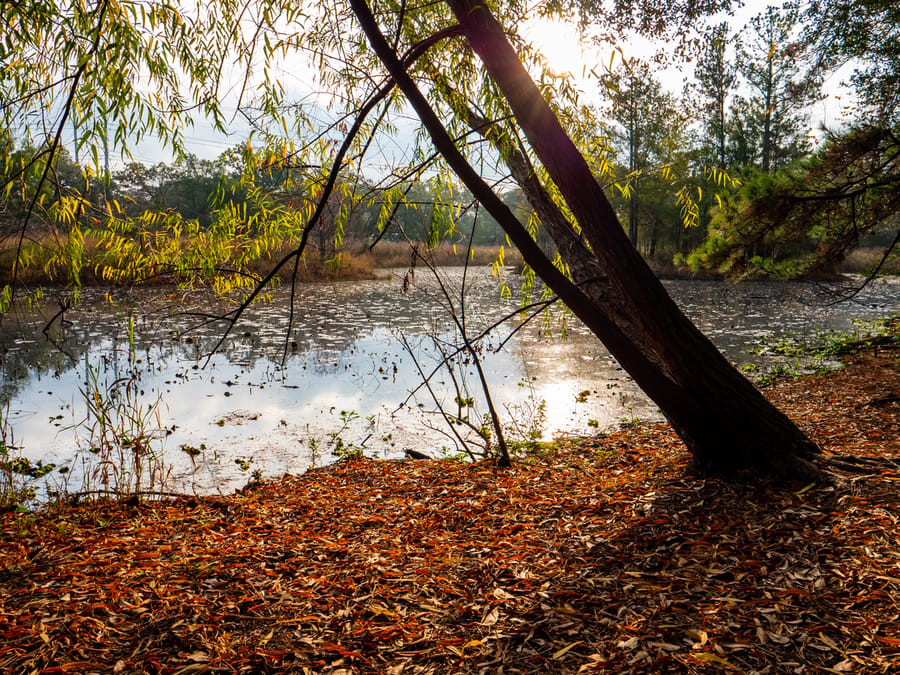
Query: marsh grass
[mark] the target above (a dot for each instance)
(354, 261)
(397, 254)
(121, 440)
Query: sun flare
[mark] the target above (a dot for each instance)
(561, 44)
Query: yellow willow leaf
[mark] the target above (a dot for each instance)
(709, 657)
(565, 650)
(805, 489)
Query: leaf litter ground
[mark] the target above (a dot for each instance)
(600, 555)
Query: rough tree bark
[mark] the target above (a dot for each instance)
(725, 422)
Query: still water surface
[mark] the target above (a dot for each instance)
(350, 368)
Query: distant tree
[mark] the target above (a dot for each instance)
(419, 216)
(187, 186)
(805, 219)
(866, 35)
(63, 199)
(770, 59)
(645, 118)
(715, 78)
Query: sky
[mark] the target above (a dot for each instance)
(566, 49)
(561, 42)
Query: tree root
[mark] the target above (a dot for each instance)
(860, 464)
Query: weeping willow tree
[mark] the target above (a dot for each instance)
(90, 79)
(486, 104)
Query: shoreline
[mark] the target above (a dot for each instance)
(354, 261)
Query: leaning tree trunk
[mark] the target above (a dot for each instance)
(725, 422)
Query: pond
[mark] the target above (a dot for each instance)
(348, 375)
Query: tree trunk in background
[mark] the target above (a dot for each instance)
(725, 422)
(767, 124)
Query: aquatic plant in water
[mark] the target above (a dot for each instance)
(121, 452)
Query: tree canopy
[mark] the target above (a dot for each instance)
(107, 75)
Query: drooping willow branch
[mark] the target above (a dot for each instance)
(539, 308)
(460, 321)
(234, 316)
(67, 109)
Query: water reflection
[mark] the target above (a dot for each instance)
(249, 408)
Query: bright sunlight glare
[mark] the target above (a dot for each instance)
(561, 44)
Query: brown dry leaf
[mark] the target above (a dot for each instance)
(492, 617)
(194, 669)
